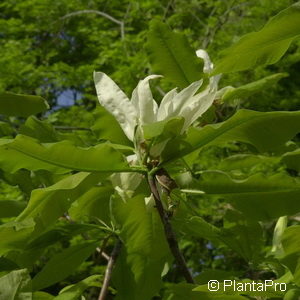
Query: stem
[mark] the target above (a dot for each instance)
(170, 235)
(108, 271)
(71, 128)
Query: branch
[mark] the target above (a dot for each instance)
(97, 12)
(71, 128)
(108, 272)
(170, 235)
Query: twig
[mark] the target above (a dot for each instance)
(100, 13)
(109, 268)
(71, 128)
(170, 235)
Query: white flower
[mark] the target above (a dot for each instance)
(143, 109)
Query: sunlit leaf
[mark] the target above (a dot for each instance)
(266, 46)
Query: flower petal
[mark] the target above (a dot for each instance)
(165, 105)
(113, 99)
(143, 101)
(181, 100)
(208, 65)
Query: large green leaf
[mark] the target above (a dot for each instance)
(265, 46)
(100, 158)
(21, 105)
(12, 285)
(249, 89)
(46, 205)
(145, 250)
(63, 264)
(258, 197)
(171, 55)
(262, 130)
(12, 161)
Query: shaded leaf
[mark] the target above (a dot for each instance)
(258, 197)
(11, 208)
(63, 264)
(292, 160)
(74, 291)
(21, 105)
(46, 205)
(171, 55)
(145, 250)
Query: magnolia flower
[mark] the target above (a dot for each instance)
(142, 109)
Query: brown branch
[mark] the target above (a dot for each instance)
(170, 235)
(100, 13)
(108, 272)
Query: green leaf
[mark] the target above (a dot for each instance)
(266, 46)
(21, 105)
(249, 89)
(258, 197)
(40, 130)
(12, 285)
(263, 130)
(42, 296)
(106, 127)
(46, 205)
(243, 236)
(171, 55)
(5, 129)
(74, 291)
(292, 160)
(145, 250)
(12, 161)
(161, 132)
(14, 235)
(100, 158)
(170, 127)
(93, 203)
(198, 227)
(11, 208)
(63, 264)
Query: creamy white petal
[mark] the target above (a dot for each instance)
(166, 105)
(113, 99)
(143, 101)
(197, 108)
(208, 65)
(181, 99)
